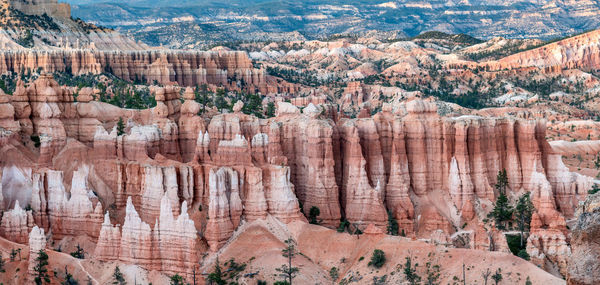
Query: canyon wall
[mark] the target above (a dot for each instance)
(180, 185)
(230, 69)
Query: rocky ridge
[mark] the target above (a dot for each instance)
(433, 174)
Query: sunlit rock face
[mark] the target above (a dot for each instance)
(174, 185)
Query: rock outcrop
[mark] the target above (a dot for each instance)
(583, 263)
(37, 242)
(169, 247)
(188, 68)
(433, 175)
(16, 224)
(65, 216)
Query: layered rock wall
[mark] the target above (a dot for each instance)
(188, 68)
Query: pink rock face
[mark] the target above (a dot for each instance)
(432, 174)
(187, 68)
(308, 145)
(279, 193)
(7, 114)
(45, 96)
(190, 125)
(136, 239)
(543, 245)
(16, 224)
(584, 242)
(571, 53)
(158, 182)
(175, 240)
(65, 216)
(362, 202)
(109, 241)
(224, 206)
(37, 242)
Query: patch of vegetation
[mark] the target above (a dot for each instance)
(514, 244)
(118, 277)
(313, 213)
(334, 273)
(26, 39)
(176, 280)
(41, 272)
(392, 228)
(287, 271)
(2, 262)
(458, 38)
(503, 211)
(36, 141)
(595, 189)
(377, 259)
(497, 277)
(78, 253)
(89, 27)
(298, 76)
(410, 272)
(120, 127)
(8, 83)
(13, 19)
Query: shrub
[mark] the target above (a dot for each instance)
(523, 254)
(78, 253)
(377, 259)
(313, 214)
(333, 273)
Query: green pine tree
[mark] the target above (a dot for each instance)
(270, 110)
(410, 272)
(523, 212)
(120, 127)
(41, 272)
(118, 278)
(216, 277)
(393, 227)
(287, 270)
(313, 213)
(177, 280)
(502, 211)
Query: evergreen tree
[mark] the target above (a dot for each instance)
(78, 253)
(433, 274)
(13, 254)
(120, 127)
(595, 189)
(2, 263)
(118, 277)
(176, 280)
(313, 214)
(344, 226)
(220, 101)
(270, 110)
(502, 181)
(202, 97)
(523, 212)
(287, 271)
(502, 211)
(253, 105)
(392, 228)
(69, 280)
(377, 259)
(216, 277)
(41, 272)
(497, 277)
(410, 272)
